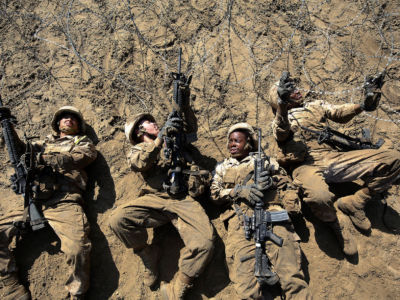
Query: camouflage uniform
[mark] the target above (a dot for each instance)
(63, 209)
(286, 260)
(323, 164)
(154, 207)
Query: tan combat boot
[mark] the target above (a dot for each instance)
(353, 206)
(176, 289)
(341, 228)
(150, 256)
(12, 289)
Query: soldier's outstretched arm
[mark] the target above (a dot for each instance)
(281, 126)
(371, 96)
(342, 113)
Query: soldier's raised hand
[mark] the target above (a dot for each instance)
(285, 88)
(5, 113)
(372, 94)
(172, 126)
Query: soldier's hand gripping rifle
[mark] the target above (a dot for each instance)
(259, 225)
(175, 183)
(24, 171)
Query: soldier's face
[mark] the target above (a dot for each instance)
(296, 97)
(236, 145)
(69, 124)
(150, 127)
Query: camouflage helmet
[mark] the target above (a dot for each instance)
(244, 127)
(273, 96)
(131, 126)
(71, 110)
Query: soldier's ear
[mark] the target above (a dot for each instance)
(248, 146)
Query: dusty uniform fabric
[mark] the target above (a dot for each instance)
(285, 259)
(63, 209)
(290, 148)
(155, 208)
(379, 168)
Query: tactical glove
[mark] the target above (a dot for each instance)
(285, 88)
(371, 101)
(172, 126)
(5, 113)
(250, 193)
(371, 95)
(264, 181)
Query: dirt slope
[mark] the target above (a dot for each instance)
(113, 59)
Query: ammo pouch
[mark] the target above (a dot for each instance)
(44, 183)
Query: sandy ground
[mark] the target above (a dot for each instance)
(112, 59)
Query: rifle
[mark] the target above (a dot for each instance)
(22, 180)
(175, 183)
(345, 142)
(259, 226)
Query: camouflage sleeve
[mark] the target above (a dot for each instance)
(143, 156)
(281, 127)
(82, 154)
(219, 194)
(342, 113)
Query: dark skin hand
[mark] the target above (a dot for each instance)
(236, 145)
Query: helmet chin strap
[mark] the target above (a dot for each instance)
(152, 136)
(68, 130)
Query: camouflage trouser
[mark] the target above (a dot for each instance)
(71, 226)
(286, 261)
(378, 168)
(129, 223)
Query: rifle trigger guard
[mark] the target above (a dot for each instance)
(323, 135)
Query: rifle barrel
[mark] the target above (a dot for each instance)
(179, 62)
